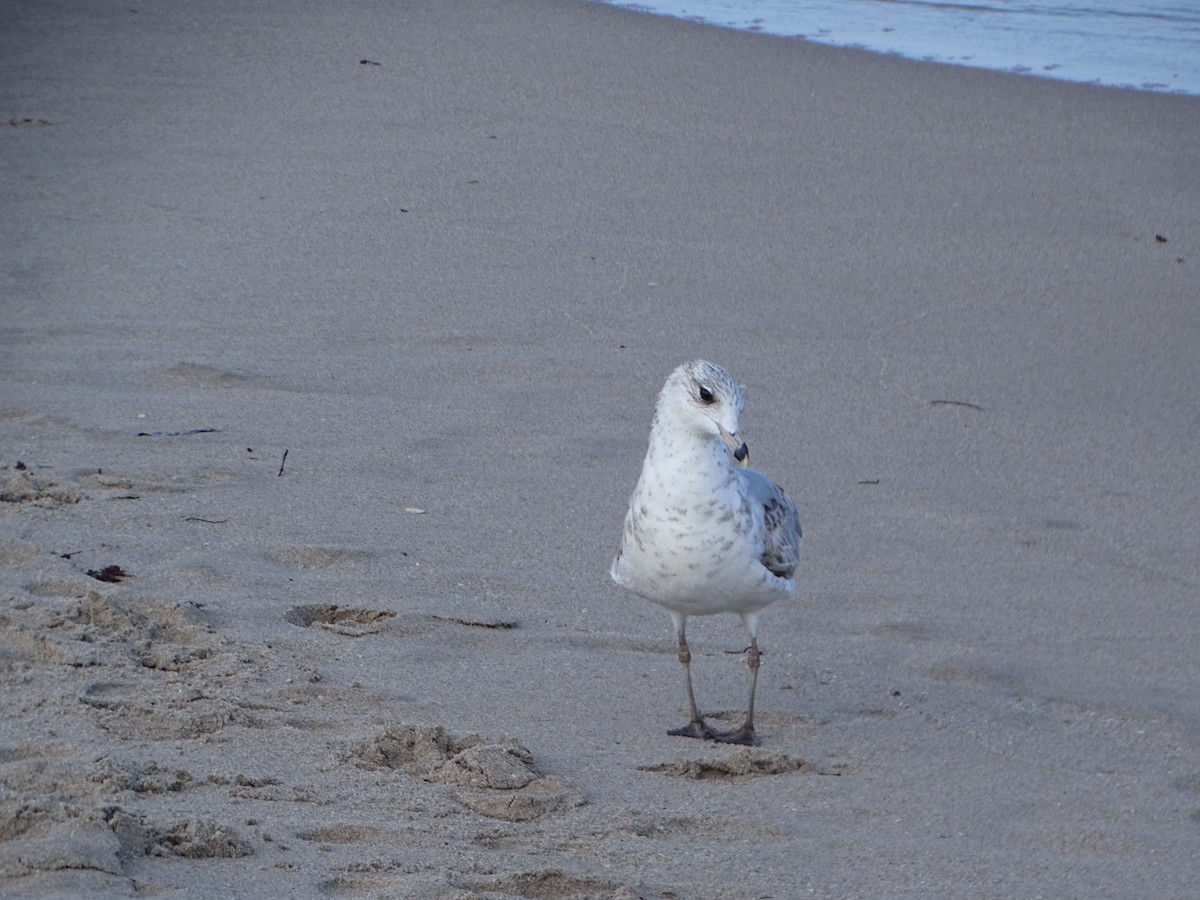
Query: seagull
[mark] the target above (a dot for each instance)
(704, 533)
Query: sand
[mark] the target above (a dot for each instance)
(442, 256)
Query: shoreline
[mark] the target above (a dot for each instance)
(963, 38)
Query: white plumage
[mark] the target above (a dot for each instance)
(703, 534)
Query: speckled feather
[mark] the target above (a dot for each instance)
(702, 535)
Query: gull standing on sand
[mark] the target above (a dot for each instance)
(703, 535)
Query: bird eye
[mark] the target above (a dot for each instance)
(706, 395)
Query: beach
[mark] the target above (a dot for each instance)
(331, 343)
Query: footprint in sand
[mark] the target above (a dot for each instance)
(69, 822)
(741, 763)
(746, 763)
(497, 779)
(37, 490)
(317, 557)
(190, 838)
(343, 620)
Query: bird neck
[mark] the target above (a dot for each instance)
(688, 456)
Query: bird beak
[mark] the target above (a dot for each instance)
(741, 453)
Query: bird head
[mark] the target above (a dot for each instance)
(705, 397)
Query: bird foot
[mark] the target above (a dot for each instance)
(697, 728)
(744, 735)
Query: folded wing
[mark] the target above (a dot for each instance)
(781, 534)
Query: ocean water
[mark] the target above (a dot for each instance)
(1151, 45)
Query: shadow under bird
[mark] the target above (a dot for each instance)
(704, 533)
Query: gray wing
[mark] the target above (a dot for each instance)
(781, 542)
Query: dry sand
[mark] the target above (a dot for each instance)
(443, 255)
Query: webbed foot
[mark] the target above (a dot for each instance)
(744, 735)
(697, 728)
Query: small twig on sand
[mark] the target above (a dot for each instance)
(282, 463)
(177, 433)
(956, 403)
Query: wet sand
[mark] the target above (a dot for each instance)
(338, 333)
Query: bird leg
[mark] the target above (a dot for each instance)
(745, 734)
(697, 727)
